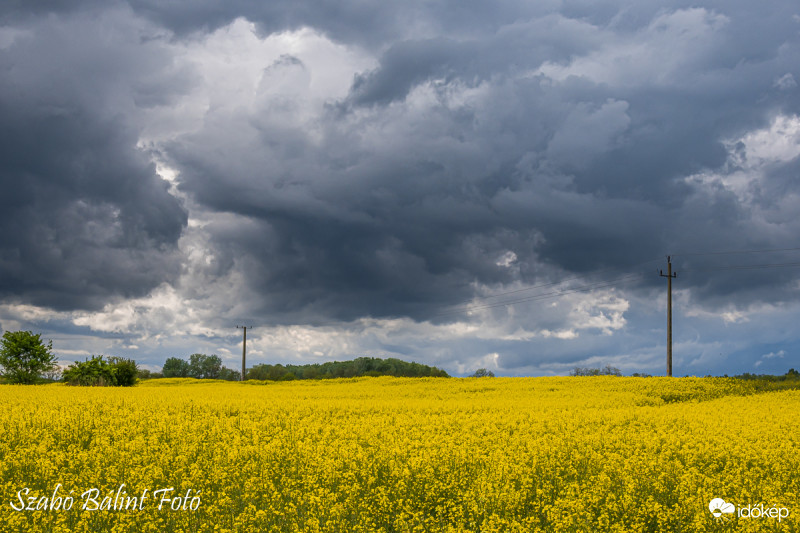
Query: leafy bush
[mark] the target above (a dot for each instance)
(99, 372)
(482, 373)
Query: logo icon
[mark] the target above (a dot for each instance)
(720, 507)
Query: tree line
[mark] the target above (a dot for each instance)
(203, 366)
(361, 366)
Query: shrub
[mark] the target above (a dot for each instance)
(99, 372)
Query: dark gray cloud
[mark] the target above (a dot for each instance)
(578, 136)
(399, 209)
(84, 218)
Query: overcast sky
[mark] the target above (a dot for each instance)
(457, 183)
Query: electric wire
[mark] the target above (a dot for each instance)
(543, 296)
(552, 283)
(733, 252)
(466, 307)
(743, 267)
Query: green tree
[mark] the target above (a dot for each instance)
(204, 366)
(482, 373)
(175, 368)
(124, 371)
(24, 356)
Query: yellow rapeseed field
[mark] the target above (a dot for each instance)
(394, 454)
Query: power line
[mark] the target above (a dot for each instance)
(469, 305)
(543, 296)
(535, 297)
(550, 284)
(731, 252)
(743, 267)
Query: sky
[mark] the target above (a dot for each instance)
(456, 183)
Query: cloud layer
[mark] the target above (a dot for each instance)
(338, 169)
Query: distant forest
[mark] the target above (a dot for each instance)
(362, 366)
(210, 367)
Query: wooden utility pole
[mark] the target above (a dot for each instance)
(244, 348)
(669, 275)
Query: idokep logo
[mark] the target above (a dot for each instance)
(722, 509)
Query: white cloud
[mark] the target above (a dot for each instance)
(751, 156)
(771, 355)
(507, 259)
(672, 44)
(560, 334)
(239, 75)
(777, 143)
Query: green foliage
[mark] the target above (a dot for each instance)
(482, 373)
(229, 375)
(24, 357)
(200, 366)
(204, 366)
(175, 368)
(143, 373)
(92, 372)
(124, 371)
(608, 370)
(99, 372)
(792, 374)
(362, 366)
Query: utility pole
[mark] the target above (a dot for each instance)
(244, 348)
(669, 275)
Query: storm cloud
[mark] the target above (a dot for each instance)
(85, 217)
(318, 163)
